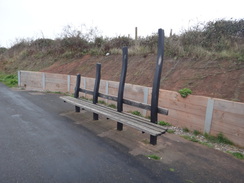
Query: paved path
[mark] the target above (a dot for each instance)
(39, 145)
(42, 140)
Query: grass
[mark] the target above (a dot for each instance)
(137, 113)
(170, 131)
(190, 138)
(112, 106)
(236, 155)
(196, 132)
(9, 80)
(220, 138)
(163, 123)
(155, 157)
(186, 130)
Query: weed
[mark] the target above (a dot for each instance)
(163, 123)
(9, 80)
(101, 102)
(170, 131)
(172, 169)
(137, 113)
(196, 132)
(236, 154)
(153, 157)
(186, 130)
(185, 92)
(112, 106)
(206, 144)
(219, 139)
(193, 139)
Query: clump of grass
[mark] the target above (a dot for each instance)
(170, 131)
(163, 123)
(153, 157)
(236, 154)
(196, 132)
(219, 139)
(9, 80)
(137, 113)
(112, 106)
(191, 138)
(101, 102)
(186, 130)
(185, 92)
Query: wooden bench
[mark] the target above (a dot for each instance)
(146, 126)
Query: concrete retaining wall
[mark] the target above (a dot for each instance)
(205, 114)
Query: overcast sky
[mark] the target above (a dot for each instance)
(46, 18)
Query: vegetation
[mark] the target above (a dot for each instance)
(219, 139)
(137, 113)
(163, 123)
(237, 155)
(186, 130)
(153, 157)
(185, 92)
(9, 79)
(220, 39)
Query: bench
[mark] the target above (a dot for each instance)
(123, 118)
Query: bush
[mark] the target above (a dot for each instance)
(185, 92)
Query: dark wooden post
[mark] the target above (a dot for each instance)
(77, 90)
(156, 82)
(122, 85)
(96, 88)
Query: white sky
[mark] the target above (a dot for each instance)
(37, 18)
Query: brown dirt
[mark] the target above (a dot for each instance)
(214, 78)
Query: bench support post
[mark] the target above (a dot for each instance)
(96, 88)
(122, 85)
(77, 90)
(153, 140)
(157, 76)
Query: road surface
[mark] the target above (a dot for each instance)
(42, 140)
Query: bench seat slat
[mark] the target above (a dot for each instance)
(125, 118)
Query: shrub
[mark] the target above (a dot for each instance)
(185, 92)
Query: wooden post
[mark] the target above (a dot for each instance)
(157, 76)
(77, 90)
(122, 85)
(96, 88)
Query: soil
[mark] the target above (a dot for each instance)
(213, 78)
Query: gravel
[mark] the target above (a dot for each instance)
(202, 140)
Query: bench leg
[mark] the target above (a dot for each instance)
(119, 126)
(77, 109)
(153, 140)
(95, 116)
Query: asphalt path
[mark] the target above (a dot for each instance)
(37, 144)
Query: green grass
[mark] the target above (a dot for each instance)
(153, 157)
(190, 138)
(186, 130)
(112, 106)
(196, 132)
(219, 139)
(9, 80)
(236, 154)
(170, 131)
(102, 102)
(163, 123)
(137, 113)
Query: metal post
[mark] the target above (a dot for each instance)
(122, 85)
(96, 88)
(77, 90)
(157, 76)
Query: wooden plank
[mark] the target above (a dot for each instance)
(220, 117)
(229, 106)
(112, 114)
(125, 115)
